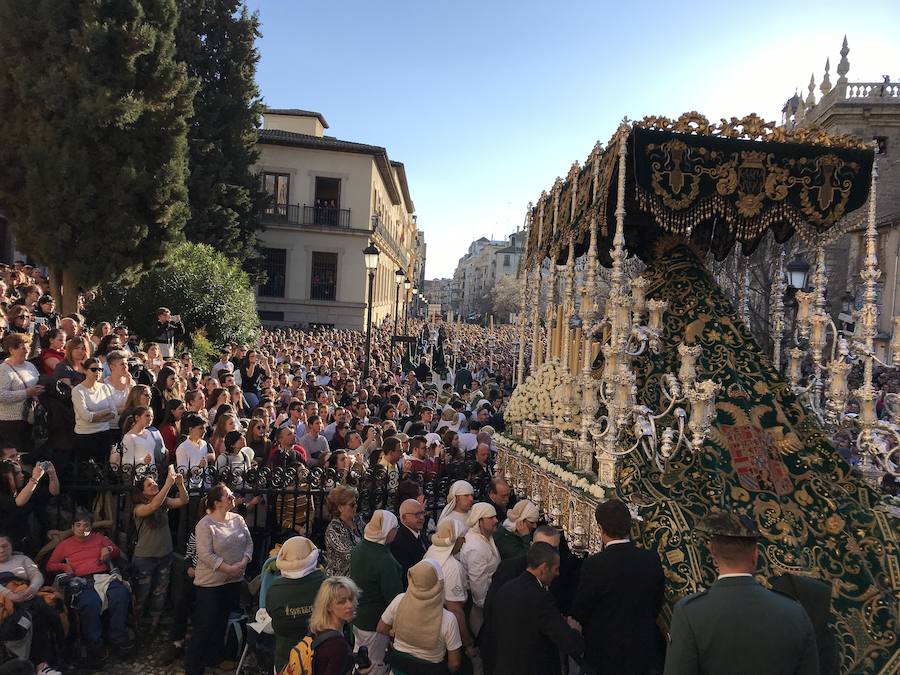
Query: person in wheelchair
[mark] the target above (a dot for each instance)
(94, 585)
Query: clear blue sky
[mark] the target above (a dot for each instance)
(487, 102)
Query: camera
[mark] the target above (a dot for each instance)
(361, 658)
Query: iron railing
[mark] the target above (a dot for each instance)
(292, 498)
(303, 215)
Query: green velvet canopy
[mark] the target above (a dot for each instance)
(712, 184)
(768, 459)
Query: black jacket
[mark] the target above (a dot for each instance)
(462, 380)
(168, 333)
(407, 549)
(815, 596)
(620, 593)
(530, 632)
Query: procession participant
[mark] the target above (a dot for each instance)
(619, 596)
(290, 598)
(513, 537)
(480, 559)
(499, 494)
(424, 632)
(446, 543)
(531, 632)
(460, 498)
(378, 575)
(738, 626)
(408, 546)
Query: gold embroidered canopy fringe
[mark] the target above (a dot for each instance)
(713, 184)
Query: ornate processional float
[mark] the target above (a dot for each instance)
(646, 384)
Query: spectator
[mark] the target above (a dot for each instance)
(237, 457)
(408, 546)
(314, 443)
(23, 586)
(286, 453)
(334, 607)
(22, 499)
(170, 428)
(139, 443)
(224, 548)
(18, 385)
(95, 406)
(70, 370)
(121, 383)
(52, 350)
(344, 531)
(152, 558)
(87, 558)
(168, 329)
(193, 451)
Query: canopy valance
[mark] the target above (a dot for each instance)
(715, 184)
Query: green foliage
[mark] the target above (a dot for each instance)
(203, 351)
(208, 289)
(93, 117)
(216, 40)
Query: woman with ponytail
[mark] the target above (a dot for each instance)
(224, 548)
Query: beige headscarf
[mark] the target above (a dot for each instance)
(420, 612)
(379, 526)
(443, 541)
(297, 558)
(523, 510)
(479, 511)
(460, 487)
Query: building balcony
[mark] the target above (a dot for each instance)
(301, 215)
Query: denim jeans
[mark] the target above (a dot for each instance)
(151, 580)
(88, 605)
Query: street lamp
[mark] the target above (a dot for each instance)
(407, 284)
(415, 302)
(398, 277)
(370, 255)
(798, 271)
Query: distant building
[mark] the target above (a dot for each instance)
(476, 272)
(870, 111)
(331, 198)
(437, 291)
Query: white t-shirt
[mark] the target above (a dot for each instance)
(138, 446)
(449, 638)
(189, 454)
(456, 584)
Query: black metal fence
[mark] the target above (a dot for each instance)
(291, 500)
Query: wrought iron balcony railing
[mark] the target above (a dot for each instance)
(303, 215)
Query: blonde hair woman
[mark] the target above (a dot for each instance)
(334, 607)
(344, 531)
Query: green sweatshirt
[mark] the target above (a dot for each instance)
(380, 579)
(289, 602)
(509, 544)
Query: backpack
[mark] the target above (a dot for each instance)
(301, 658)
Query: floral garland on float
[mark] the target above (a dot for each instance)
(567, 500)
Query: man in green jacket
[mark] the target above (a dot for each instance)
(738, 626)
(290, 598)
(513, 537)
(380, 579)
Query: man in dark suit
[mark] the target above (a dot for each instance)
(737, 626)
(620, 593)
(530, 632)
(507, 571)
(408, 546)
(462, 379)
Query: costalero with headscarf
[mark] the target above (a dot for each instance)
(417, 624)
(443, 544)
(509, 540)
(460, 487)
(290, 598)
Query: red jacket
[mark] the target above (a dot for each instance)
(83, 556)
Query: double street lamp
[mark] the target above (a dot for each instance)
(370, 255)
(407, 284)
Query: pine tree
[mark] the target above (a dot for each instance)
(93, 136)
(216, 39)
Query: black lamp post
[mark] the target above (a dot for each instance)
(407, 284)
(398, 277)
(370, 255)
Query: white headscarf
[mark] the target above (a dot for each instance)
(523, 510)
(460, 487)
(297, 558)
(379, 526)
(479, 511)
(443, 541)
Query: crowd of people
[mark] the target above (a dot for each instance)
(469, 581)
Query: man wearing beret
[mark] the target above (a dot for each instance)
(738, 626)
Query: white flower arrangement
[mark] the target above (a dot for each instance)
(545, 394)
